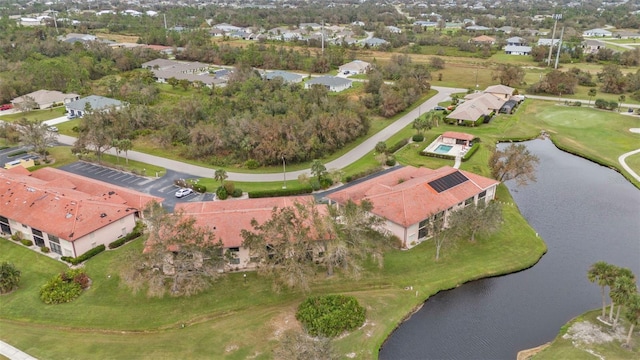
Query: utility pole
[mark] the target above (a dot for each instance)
(322, 35)
(559, 47)
(165, 21)
(553, 35)
(284, 173)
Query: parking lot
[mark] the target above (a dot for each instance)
(162, 187)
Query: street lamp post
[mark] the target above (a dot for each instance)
(284, 173)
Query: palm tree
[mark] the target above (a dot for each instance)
(621, 292)
(9, 277)
(599, 273)
(220, 175)
(592, 93)
(621, 99)
(632, 314)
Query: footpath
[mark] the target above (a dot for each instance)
(13, 353)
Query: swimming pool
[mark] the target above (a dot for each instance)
(442, 149)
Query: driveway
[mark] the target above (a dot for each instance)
(162, 187)
(356, 153)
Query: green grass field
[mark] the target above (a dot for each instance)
(39, 115)
(236, 320)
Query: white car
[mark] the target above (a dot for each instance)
(183, 192)
(53, 129)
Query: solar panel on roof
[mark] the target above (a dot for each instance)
(448, 181)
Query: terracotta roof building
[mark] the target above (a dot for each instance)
(408, 197)
(67, 213)
(228, 218)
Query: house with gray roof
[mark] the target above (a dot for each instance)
(516, 41)
(287, 77)
(374, 41)
(332, 83)
(517, 50)
(597, 33)
(354, 67)
(92, 103)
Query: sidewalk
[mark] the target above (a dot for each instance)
(13, 353)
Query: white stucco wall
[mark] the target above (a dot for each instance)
(104, 235)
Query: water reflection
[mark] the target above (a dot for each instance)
(585, 213)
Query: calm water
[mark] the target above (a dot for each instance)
(585, 213)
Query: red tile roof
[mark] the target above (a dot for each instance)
(405, 197)
(458, 135)
(105, 191)
(56, 208)
(227, 218)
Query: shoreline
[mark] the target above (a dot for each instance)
(529, 353)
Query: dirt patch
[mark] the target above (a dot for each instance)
(528, 354)
(585, 332)
(284, 322)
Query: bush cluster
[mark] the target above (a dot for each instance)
(330, 315)
(397, 146)
(134, 234)
(64, 287)
(221, 193)
(252, 164)
(86, 256)
(279, 192)
(44, 249)
(26, 242)
(607, 105)
(418, 138)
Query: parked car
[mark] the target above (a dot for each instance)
(53, 129)
(6, 107)
(71, 116)
(439, 108)
(183, 192)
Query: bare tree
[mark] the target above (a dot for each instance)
(440, 235)
(296, 345)
(284, 245)
(515, 162)
(180, 257)
(354, 235)
(476, 219)
(37, 134)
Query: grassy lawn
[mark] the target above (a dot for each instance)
(39, 115)
(562, 348)
(216, 322)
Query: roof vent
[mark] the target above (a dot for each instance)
(111, 192)
(68, 215)
(103, 215)
(31, 189)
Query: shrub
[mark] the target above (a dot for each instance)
(330, 315)
(229, 186)
(26, 242)
(199, 188)
(17, 236)
(237, 193)
(315, 184)
(279, 192)
(601, 104)
(326, 182)
(44, 249)
(64, 287)
(86, 256)
(612, 105)
(418, 138)
(361, 174)
(134, 234)
(397, 146)
(471, 151)
(16, 153)
(391, 161)
(221, 193)
(9, 277)
(252, 164)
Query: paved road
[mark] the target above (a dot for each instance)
(339, 163)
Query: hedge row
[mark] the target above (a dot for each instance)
(134, 234)
(439, 156)
(471, 151)
(397, 146)
(86, 256)
(279, 192)
(361, 174)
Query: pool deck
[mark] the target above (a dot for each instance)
(456, 150)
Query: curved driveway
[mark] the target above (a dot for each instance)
(356, 153)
